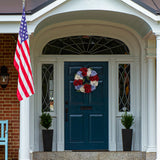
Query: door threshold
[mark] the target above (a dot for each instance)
(103, 150)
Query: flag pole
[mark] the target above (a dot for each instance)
(23, 3)
(24, 147)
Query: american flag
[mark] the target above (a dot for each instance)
(22, 62)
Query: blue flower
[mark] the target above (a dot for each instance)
(78, 87)
(93, 88)
(80, 73)
(93, 73)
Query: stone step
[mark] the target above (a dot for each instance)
(69, 155)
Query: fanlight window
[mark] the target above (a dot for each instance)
(85, 45)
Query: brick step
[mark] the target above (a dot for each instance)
(69, 155)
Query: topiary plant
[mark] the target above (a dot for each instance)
(46, 120)
(127, 120)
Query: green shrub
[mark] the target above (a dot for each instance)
(46, 120)
(127, 120)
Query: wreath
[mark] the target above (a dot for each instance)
(86, 80)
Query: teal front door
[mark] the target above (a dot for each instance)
(86, 114)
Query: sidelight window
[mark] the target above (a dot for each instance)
(47, 87)
(124, 87)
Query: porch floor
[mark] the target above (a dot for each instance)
(69, 155)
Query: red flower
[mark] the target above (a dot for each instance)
(78, 82)
(87, 88)
(84, 71)
(94, 78)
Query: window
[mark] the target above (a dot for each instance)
(124, 87)
(47, 88)
(85, 45)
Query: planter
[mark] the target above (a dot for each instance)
(127, 139)
(47, 140)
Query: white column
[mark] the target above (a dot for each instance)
(24, 130)
(151, 147)
(112, 104)
(158, 96)
(60, 104)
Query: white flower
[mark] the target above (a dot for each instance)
(94, 83)
(77, 77)
(82, 89)
(89, 72)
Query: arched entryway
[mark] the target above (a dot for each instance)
(87, 50)
(86, 114)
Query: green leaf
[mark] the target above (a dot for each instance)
(127, 120)
(46, 120)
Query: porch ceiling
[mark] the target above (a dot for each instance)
(137, 24)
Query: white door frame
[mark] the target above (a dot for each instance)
(114, 115)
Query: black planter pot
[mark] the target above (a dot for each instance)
(127, 139)
(47, 140)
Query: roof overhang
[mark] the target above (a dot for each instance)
(38, 13)
(34, 16)
(142, 10)
(120, 12)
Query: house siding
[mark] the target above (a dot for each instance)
(9, 104)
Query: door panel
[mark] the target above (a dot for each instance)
(76, 131)
(96, 123)
(86, 114)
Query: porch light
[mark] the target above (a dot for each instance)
(4, 77)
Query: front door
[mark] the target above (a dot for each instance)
(86, 114)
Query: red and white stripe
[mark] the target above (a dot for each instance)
(22, 64)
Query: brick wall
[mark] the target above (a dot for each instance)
(9, 105)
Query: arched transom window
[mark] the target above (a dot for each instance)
(85, 45)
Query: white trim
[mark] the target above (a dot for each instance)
(10, 18)
(131, 39)
(113, 62)
(142, 10)
(158, 95)
(29, 18)
(143, 102)
(38, 103)
(151, 106)
(60, 104)
(134, 102)
(96, 28)
(48, 8)
(45, 10)
(112, 104)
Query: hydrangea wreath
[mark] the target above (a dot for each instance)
(86, 80)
